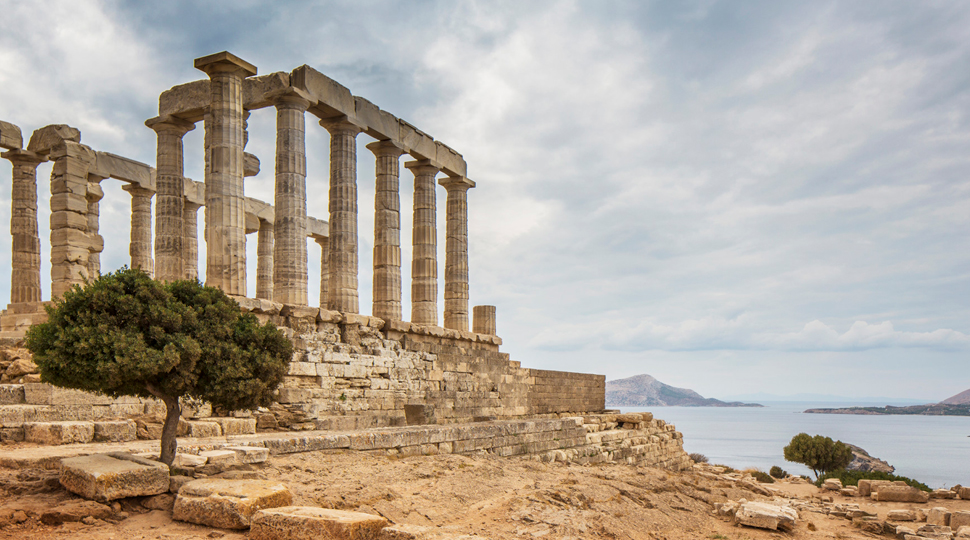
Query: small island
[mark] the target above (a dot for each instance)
(645, 391)
(932, 409)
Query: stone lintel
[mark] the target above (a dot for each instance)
(456, 182)
(224, 62)
(194, 191)
(10, 136)
(419, 144)
(109, 165)
(317, 228)
(329, 97)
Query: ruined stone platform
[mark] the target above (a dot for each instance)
(579, 439)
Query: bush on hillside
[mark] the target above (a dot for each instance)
(698, 458)
(821, 454)
(851, 478)
(762, 477)
(778, 472)
(126, 334)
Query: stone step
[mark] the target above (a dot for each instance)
(291, 522)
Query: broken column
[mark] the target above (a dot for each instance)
(190, 240)
(424, 254)
(25, 241)
(289, 276)
(264, 260)
(342, 286)
(387, 231)
(456, 252)
(141, 227)
(170, 198)
(225, 216)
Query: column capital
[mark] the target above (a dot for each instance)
(137, 190)
(224, 62)
(23, 157)
(170, 124)
(386, 148)
(423, 166)
(342, 124)
(291, 98)
(456, 182)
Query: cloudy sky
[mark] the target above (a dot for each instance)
(735, 197)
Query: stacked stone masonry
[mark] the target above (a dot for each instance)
(349, 371)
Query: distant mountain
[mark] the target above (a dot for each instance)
(959, 399)
(645, 391)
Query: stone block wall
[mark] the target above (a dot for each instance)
(563, 391)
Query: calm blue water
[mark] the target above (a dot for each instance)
(932, 449)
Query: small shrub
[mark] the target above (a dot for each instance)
(851, 478)
(698, 458)
(762, 477)
(725, 467)
(819, 453)
(778, 472)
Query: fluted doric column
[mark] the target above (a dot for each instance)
(324, 244)
(456, 252)
(94, 196)
(342, 287)
(170, 199)
(387, 230)
(25, 241)
(141, 227)
(190, 240)
(289, 272)
(424, 253)
(225, 202)
(265, 267)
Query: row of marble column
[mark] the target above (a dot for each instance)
(225, 211)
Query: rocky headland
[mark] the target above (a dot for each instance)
(646, 391)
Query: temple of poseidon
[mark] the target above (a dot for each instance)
(375, 376)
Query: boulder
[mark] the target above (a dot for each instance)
(903, 530)
(75, 510)
(850, 491)
(943, 494)
(228, 504)
(904, 493)
(21, 367)
(165, 502)
(54, 433)
(766, 516)
(176, 481)
(934, 531)
(963, 532)
(309, 523)
(938, 516)
(959, 519)
(45, 139)
(106, 477)
(901, 515)
(964, 493)
(832, 484)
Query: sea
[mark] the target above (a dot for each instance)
(932, 449)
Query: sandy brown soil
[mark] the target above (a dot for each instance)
(490, 497)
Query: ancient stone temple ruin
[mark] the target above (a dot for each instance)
(350, 371)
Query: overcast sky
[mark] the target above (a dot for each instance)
(734, 197)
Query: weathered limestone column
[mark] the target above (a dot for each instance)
(190, 240)
(424, 254)
(289, 272)
(456, 252)
(342, 287)
(70, 242)
(264, 261)
(387, 231)
(170, 200)
(484, 320)
(25, 241)
(225, 203)
(324, 244)
(141, 227)
(94, 196)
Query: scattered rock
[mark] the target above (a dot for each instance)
(165, 502)
(21, 367)
(175, 482)
(901, 515)
(75, 510)
(219, 457)
(183, 461)
(228, 504)
(938, 516)
(897, 493)
(766, 516)
(943, 494)
(959, 519)
(832, 484)
(106, 477)
(309, 523)
(249, 454)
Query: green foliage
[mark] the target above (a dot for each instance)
(129, 335)
(851, 478)
(726, 468)
(821, 454)
(762, 477)
(698, 458)
(778, 472)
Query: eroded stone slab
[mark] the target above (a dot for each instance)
(766, 516)
(55, 433)
(106, 477)
(249, 454)
(115, 431)
(229, 504)
(895, 493)
(310, 523)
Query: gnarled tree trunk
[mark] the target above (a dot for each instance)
(173, 412)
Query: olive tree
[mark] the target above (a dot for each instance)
(821, 454)
(126, 334)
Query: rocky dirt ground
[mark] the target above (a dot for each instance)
(489, 497)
